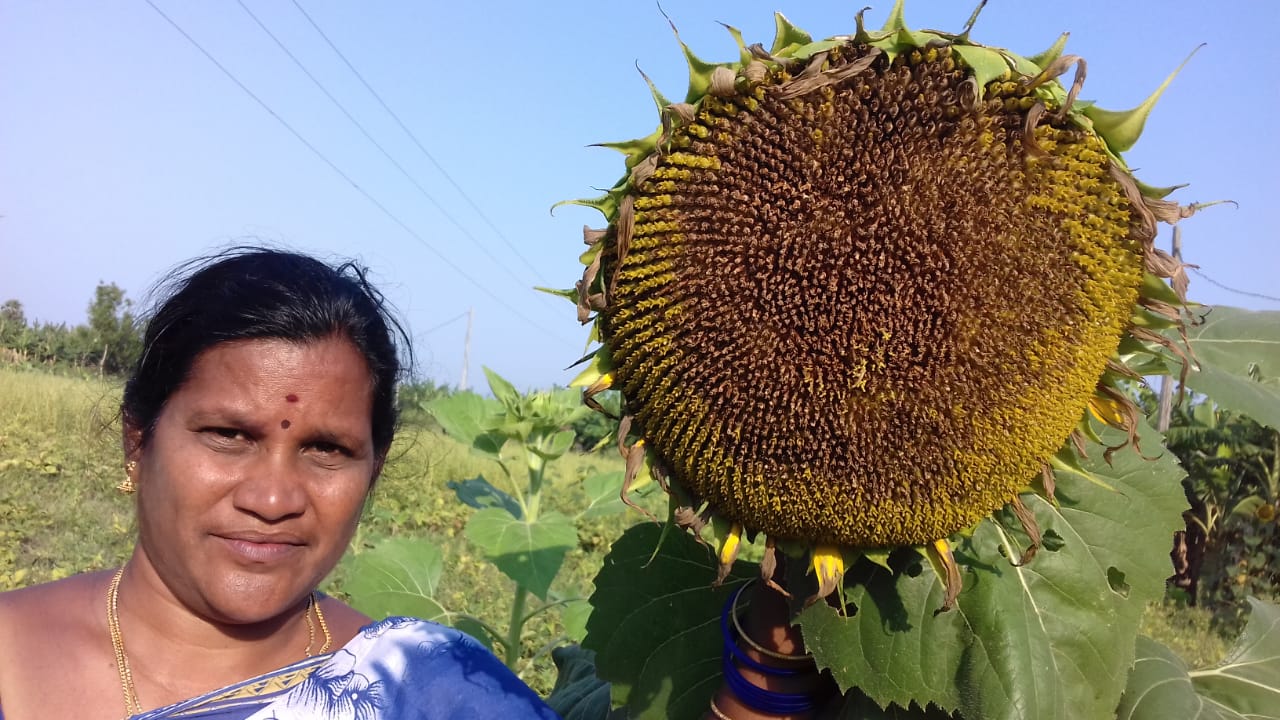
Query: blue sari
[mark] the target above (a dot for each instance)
(395, 669)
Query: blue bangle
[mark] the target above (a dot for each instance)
(766, 701)
(758, 698)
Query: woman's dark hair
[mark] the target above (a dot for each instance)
(258, 293)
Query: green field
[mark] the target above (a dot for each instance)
(60, 514)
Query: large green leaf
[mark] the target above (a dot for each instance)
(1248, 679)
(1239, 361)
(1051, 639)
(602, 494)
(398, 576)
(528, 552)
(893, 648)
(469, 418)
(655, 622)
(1245, 685)
(553, 445)
(574, 616)
(1159, 688)
(857, 706)
(504, 391)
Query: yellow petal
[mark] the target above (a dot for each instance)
(828, 565)
(729, 551)
(1107, 411)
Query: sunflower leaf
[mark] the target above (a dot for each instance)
(528, 552)
(602, 495)
(574, 615)
(398, 576)
(1160, 688)
(875, 650)
(469, 419)
(1248, 679)
(1244, 685)
(655, 622)
(503, 390)
(1239, 361)
(856, 706)
(1024, 641)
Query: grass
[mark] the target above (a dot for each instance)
(59, 464)
(1188, 631)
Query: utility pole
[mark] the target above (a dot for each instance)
(1166, 382)
(466, 349)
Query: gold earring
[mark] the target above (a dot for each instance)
(126, 486)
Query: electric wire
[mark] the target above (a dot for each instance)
(390, 215)
(439, 326)
(1237, 291)
(363, 131)
(417, 142)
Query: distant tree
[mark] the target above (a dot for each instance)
(49, 344)
(1231, 547)
(414, 397)
(13, 321)
(112, 332)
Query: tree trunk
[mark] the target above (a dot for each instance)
(1189, 547)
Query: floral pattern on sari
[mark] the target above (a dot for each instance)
(394, 669)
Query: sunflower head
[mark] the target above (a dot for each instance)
(858, 292)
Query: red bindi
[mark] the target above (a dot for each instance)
(284, 424)
(291, 397)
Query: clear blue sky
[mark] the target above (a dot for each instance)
(124, 150)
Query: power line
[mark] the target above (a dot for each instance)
(392, 216)
(1237, 291)
(370, 138)
(446, 323)
(416, 142)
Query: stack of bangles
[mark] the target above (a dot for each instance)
(751, 695)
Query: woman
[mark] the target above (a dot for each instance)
(255, 424)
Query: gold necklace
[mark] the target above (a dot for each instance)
(311, 630)
(131, 705)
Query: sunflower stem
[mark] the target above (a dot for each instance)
(512, 643)
(537, 468)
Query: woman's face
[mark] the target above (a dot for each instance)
(251, 484)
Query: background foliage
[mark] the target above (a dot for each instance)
(1231, 535)
(109, 342)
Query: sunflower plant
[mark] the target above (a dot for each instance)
(872, 302)
(523, 434)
